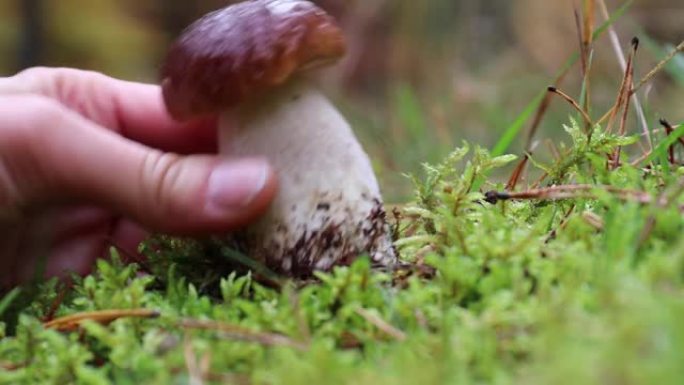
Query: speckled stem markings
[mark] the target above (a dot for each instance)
(328, 209)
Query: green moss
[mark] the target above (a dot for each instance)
(576, 291)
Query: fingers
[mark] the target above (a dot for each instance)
(66, 240)
(134, 110)
(48, 153)
(78, 252)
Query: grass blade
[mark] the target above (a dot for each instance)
(660, 151)
(8, 299)
(511, 132)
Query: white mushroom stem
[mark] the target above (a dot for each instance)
(328, 208)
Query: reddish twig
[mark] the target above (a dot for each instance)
(536, 122)
(669, 129)
(615, 41)
(574, 104)
(517, 172)
(586, 31)
(57, 301)
(623, 100)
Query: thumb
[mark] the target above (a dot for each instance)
(51, 154)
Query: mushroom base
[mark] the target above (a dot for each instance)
(325, 242)
(328, 209)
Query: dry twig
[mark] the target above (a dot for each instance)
(623, 100)
(568, 192)
(679, 48)
(241, 333)
(73, 321)
(381, 324)
(573, 103)
(615, 41)
(197, 369)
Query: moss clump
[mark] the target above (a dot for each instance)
(581, 290)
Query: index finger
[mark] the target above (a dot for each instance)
(135, 110)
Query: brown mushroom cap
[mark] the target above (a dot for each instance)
(239, 52)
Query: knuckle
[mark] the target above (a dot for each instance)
(159, 176)
(63, 80)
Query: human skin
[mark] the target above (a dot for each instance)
(88, 162)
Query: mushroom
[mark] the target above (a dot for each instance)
(250, 63)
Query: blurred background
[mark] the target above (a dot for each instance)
(420, 77)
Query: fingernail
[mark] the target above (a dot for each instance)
(233, 185)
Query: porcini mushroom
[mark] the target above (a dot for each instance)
(250, 63)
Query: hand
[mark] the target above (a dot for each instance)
(87, 161)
